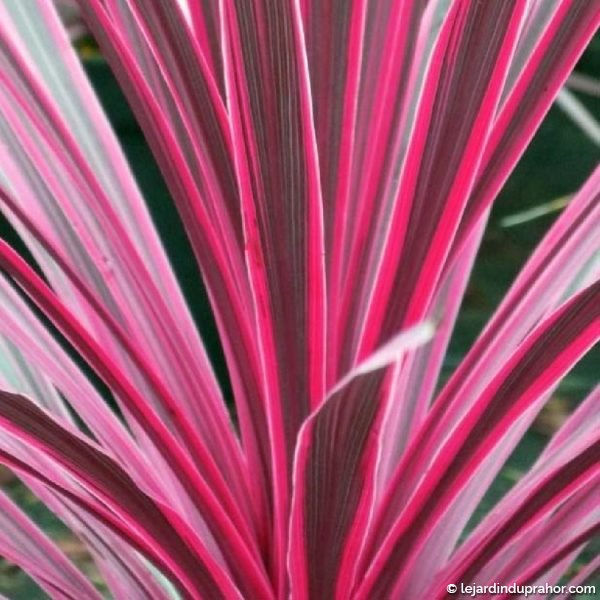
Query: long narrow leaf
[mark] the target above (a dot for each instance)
(127, 510)
(237, 543)
(548, 353)
(281, 205)
(25, 545)
(334, 474)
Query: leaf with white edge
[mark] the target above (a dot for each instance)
(405, 522)
(113, 496)
(215, 240)
(558, 47)
(49, 171)
(334, 473)
(568, 443)
(205, 489)
(415, 380)
(24, 544)
(416, 226)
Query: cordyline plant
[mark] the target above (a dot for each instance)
(333, 163)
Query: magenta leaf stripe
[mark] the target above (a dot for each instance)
(333, 164)
(282, 213)
(551, 271)
(115, 262)
(221, 263)
(530, 98)
(112, 486)
(545, 356)
(334, 474)
(230, 536)
(22, 541)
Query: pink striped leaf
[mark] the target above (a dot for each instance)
(124, 570)
(554, 556)
(214, 419)
(544, 70)
(23, 377)
(556, 267)
(210, 232)
(276, 156)
(335, 47)
(204, 122)
(538, 503)
(206, 17)
(462, 87)
(439, 548)
(42, 350)
(333, 163)
(114, 497)
(372, 136)
(108, 267)
(334, 473)
(559, 529)
(109, 552)
(552, 272)
(25, 545)
(571, 440)
(229, 528)
(568, 443)
(149, 475)
(547, 354)
(194, 444)
(44, 355)
(415, 381)
(203, 457)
